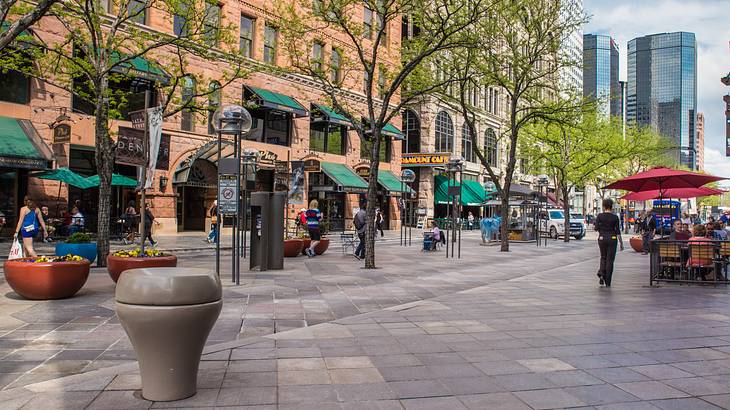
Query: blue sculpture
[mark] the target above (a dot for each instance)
(489, 228)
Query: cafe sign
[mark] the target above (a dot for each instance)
(62, 134)
(267, 159)
(424, 159)
(312, 165)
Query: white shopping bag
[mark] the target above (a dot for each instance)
(16, 251)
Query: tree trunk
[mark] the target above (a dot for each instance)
(104, 165)
(372, 202)
(566, 212)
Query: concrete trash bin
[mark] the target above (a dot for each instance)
(168, 314)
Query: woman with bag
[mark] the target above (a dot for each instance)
(28, 221)
(213, 212)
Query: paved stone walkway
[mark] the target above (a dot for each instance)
(529, 330)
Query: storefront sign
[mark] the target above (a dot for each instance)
(137, 118)
(267, 159)
(312, 165)
(228, 188)
(363, 172)
(424, 160)
(29, 163)
(281, 167)
(130, 147)
(163, 156)
(62, 134)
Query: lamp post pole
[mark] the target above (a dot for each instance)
(406, 176)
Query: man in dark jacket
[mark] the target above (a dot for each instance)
(648, 229)
(360, 221)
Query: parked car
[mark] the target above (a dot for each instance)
(553, 222)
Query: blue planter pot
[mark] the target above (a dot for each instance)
(85, 250)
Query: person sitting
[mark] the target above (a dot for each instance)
(77, 221)
(436, 235)
(678, 234)
(699, 237)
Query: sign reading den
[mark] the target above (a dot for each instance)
(130, 147)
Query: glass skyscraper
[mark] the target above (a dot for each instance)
(662, 89)
(600, 73)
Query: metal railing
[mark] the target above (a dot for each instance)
(695, 261)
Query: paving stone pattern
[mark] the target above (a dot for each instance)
(538, 334)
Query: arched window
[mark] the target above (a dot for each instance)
(490, 147)
(444, 132)
(188, 91)
(412, 128)
(467, 146)
(214, 101)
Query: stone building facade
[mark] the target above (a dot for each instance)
(287, 135)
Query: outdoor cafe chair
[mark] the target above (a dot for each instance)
(670, 259)
(701, 261)
(724, 255)
(348, 242)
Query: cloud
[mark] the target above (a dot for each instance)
(716, 163)
(708, 19)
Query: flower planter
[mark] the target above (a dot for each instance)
(86, 250)
(636, 243)
(46, 280)
(321, 247)
(293, 247)
(118, 264)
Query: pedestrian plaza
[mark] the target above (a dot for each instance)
(529, 329)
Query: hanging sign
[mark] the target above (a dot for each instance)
(130, 147)
(62, 134)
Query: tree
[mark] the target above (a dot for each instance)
(27, 15)
(392, 76)
(100, 47)
(520, 51)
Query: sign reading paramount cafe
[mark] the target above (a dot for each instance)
(424, 159)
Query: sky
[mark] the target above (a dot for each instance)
(625, 20)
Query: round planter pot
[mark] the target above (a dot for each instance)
(116, 264)
(637, 243)
(46, 280)
(293, 247)
(85, 250)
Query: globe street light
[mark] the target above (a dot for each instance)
(232, 120)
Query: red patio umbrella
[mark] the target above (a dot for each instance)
(661, 179)
(679, 193)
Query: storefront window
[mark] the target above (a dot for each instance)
(270, 127)
(412, 128)
(270, 40)
(211, 23)
(328, 137)
(384, 152)
(467, 150)
(14, 87)
(490, 147)
(137, 11)
(247, 24)
(444, 132)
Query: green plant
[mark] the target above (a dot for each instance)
(79, 237)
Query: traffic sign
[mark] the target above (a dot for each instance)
(228, 188)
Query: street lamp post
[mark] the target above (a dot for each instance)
(454, 167)
(234, 121)
(407, 176)
(542, 184)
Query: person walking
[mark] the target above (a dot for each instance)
(609, 235)
(648, 228)
(360, 222)
(470, 221)
(130, 222)
(379, 221)
(28, 221)
(149, 219)
(314, 217)
(213, 213)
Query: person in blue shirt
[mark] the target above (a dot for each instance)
(314, 217)
(28, 222)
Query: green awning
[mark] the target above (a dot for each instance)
(392, 183)
(392, 131)
(24, 40)
(117, 180)
(66, 176)
(472, 193)
(325, 113)
(344, 177)
(21, 146)
(261, 97)
(139, 67)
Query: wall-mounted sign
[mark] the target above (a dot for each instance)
(130, 147)
(163, 155)
(312, 165)
(267, 159)
(61, 134)
(363, 171)
(424, 159)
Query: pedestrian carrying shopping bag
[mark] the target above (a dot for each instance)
(16, 251)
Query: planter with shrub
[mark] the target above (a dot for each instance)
(47, 277)
(78, 243)
(120, 261)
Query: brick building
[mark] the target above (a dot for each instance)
(292, 125)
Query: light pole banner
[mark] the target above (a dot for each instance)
(154, 127)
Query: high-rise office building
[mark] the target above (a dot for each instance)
(662, 89)
(600, 73)
(572, 49)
